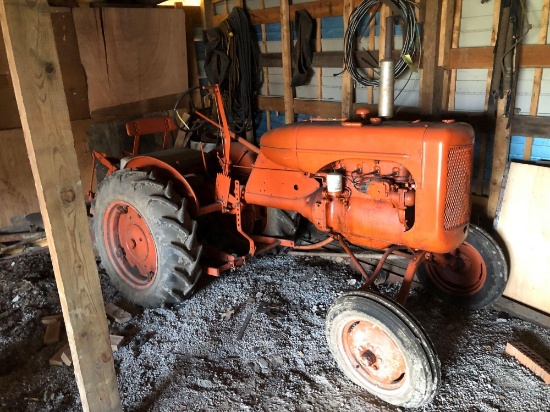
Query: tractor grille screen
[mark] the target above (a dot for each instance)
(459, 175)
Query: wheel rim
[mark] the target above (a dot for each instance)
(464, 279)
(374, 355)
(130, 244)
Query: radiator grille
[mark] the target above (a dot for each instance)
(459, 175)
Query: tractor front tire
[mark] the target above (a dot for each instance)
(478, 282)
(146, 239)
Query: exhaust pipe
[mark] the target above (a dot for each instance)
(387, 75)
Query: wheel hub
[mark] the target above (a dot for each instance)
(374, 354)
(130, 244)
(463, 277)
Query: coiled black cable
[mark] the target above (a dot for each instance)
(411, 37)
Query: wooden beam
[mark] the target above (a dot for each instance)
(538, 126)
(501, 150)
(364, 59)
(207, 14)
(347, 80)
(431, 77)
(530, 55)
(533, 110)
(34, 66)
(286, 39)
(446, 38)
(265, 70)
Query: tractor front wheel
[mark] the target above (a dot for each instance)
(382, 348)
(145, 239)
(475, 279)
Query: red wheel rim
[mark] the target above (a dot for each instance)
(374, 355)
(465, 278)
(130, 244)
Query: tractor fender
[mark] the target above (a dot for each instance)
(167, 172)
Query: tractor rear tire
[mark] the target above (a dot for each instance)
(146, 239)
(480, 281)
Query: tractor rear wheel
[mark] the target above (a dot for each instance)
(146, 239)
(478, 277)
(383, 349)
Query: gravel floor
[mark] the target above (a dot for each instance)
(189, 357)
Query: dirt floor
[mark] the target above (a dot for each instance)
(190, 357)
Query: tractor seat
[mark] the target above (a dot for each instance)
(150, 125)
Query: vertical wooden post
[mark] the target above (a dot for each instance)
(431, 77)
(372, 46)
(265, 70)
(34, 67)
(543, 35)
(319, 48)
(206, 14)
(450, 103)
(484, 137)
(500, 157)
(286, 38)
(445, 44)
(347, 81)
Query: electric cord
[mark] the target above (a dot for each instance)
(411, 37)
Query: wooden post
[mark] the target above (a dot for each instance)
(543, 35)
(319, 48)
(431, 77)
(484, 137)
(206, 14)
(372, 46)
(445, 44)
(347, 81)
(286, 39)
(450, 103)
(265, 70)
(34, 67)
(500, 157)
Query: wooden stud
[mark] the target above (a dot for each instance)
(319, 49)
(265, 70)
(347, 81)
(533, 110)
(286, 39)
(207, 14)
(450, 103)
(445, 45)
(431, 76)
(34, 67)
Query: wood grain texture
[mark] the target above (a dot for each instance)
(16, 182)
(531, 126)
(347, 80)
(501, 150)
(74, 77)
(34, 66)
(286, 39)
(534, 107)
(131, 55)
(524, 227)
(530, 55)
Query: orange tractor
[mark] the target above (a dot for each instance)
(164, 218)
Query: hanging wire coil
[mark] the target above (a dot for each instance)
(411, 37)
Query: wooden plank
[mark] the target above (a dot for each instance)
(521, 311)
(322, 59)
(46, 320)
(347, 80)
(66, 357)
(207, 14)
(445, 43)
(530, 55)
(116, 341)
(524, 227)
(117, 314)
(501, 149)
(131, 55)
(538, 126)
(431, 76)
(56, 359)
(53, 331)
(533, 109)
(318, 49)
(34, 65)
(286, 39)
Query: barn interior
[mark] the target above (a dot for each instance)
(274, 205)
